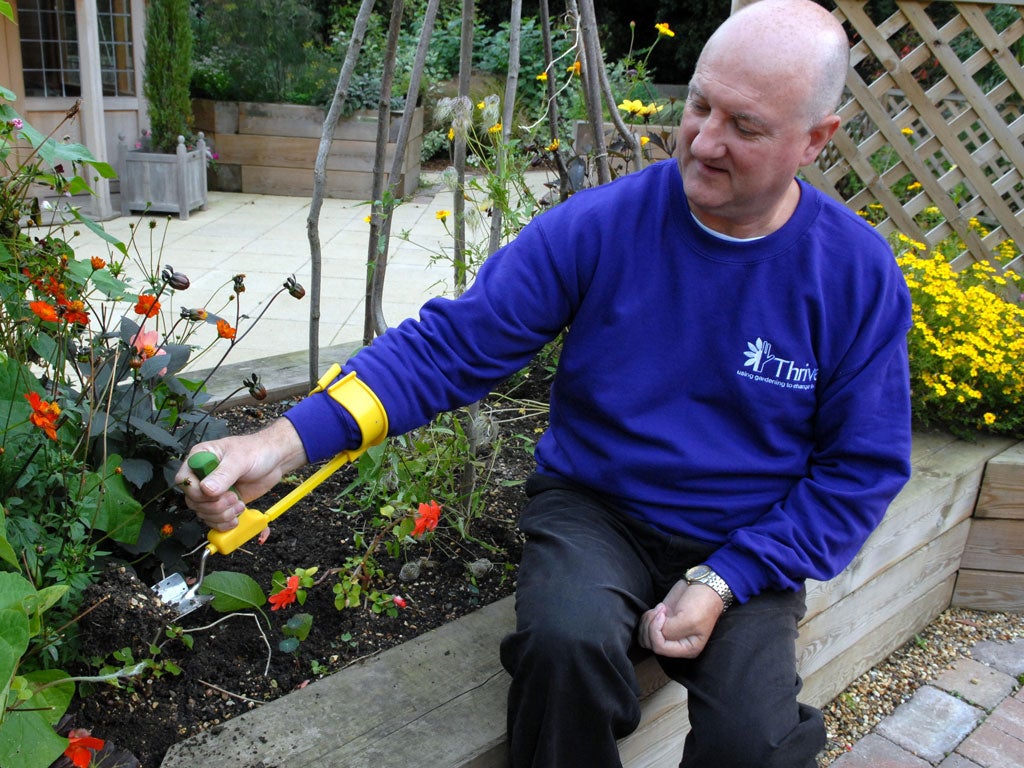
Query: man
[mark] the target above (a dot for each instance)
(730, 416)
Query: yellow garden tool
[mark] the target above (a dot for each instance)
(369, 414)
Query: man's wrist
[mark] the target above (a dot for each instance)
(703, 574)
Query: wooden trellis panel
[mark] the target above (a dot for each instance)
(931, 134)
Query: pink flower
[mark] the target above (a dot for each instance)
(399, 601)
(147, 344)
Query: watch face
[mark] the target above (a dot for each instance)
(698, 572)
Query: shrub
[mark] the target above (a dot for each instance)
(967, 343)
(167, 72)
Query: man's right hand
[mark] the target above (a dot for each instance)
(249, 466)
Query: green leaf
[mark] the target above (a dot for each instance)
(232, 591)
(14, 637)
(109, 285)
(13, 590)
(117, 512)
(54, 698)
(27, 740)
(45, 346)
(7, 553)
(298, 626)
(8, 11)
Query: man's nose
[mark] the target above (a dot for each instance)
(709, 139)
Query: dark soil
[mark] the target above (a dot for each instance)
(225, 672)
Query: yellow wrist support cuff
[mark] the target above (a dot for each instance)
(359, 400)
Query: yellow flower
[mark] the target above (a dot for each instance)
(367, 219)
(496, 128)
(645, 140)
(632, 106)
(664, 30)
(907, 131)
(553, 146)
(543, 77)
(442, 214)
(574, 69)
(481, 104)
(990, 418)
(913, 186)
(451, 134)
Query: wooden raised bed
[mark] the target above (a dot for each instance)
(441, 697)
(992, 572)
(270, 149)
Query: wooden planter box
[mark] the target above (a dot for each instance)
(271, 149)
(160, 182)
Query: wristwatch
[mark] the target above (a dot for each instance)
(702, 574)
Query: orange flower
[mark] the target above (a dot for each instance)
(80, 747)
(97, 262)
(427, 517)
(167, 530)
(148, 305)
(286, 596)
(44, 311)
(44, 414)
(224, 330)
(74, 312)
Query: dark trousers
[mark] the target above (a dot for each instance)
(586, 575)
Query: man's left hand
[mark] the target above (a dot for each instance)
(681, 624)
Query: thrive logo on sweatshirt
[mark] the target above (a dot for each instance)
(766, 366)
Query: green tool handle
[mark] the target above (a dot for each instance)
(252, 521)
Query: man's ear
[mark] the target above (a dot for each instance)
(818, 137)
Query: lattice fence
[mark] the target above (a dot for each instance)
(931, 135)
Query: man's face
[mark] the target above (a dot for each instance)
(742, 138)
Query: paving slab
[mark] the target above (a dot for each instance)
(991, 747)
(976, 683)
(958, 761)
(874, 751)
(931, 724)
(1007, 657)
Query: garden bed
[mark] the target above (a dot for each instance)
(225, 672)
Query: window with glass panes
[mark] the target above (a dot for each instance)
(49, 48)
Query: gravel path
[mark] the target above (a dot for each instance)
(875, 694)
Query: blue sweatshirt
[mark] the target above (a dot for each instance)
(754, 395)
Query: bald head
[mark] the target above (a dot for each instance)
(796, 44)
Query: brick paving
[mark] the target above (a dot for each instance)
(970, 716)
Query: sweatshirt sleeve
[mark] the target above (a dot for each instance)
(457, 349)
(859, 462)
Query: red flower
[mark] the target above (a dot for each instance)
(427, 517)
(148, 305)
(286, 596)
(81, 746)
(224, 330)
(399, 601)
(44, 414)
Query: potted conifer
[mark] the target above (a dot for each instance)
(166, 170)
